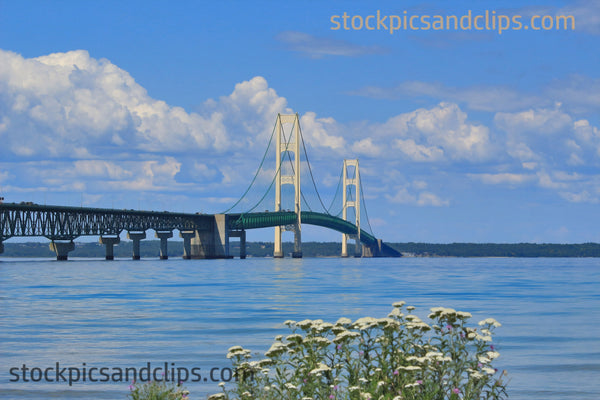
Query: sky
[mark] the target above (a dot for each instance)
(479, 133)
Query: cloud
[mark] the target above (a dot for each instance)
(319, 47)
(502, 178)
(316, 130)
(440, 132)
(581, 197)
(367, 147)
(587, 16)
(418, 152)
(586, 13)
(482, 98)
(541, 121)
(576, 93)
(403, 195)
(70, 104)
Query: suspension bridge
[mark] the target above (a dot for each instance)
(208, 235)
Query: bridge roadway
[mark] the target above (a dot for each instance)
(204, 235)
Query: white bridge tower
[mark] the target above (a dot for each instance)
(350, 202)
(286, 146)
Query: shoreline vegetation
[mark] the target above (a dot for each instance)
(150, 248)
(398, 357)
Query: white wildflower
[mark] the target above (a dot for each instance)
(483, 338)
(418, 325)
(396, 313)
(448, 311)
(483, 359)
(488, 370)
(410, 368)
(304, 324)
(493, 355)
(345, 335)
(321, 341)
(289, 386)
(222, 384)
(412, 385)
(490, 321)
(344, 321)
(475, 374)
(324, 326)
(238, 351)
(410, 308)
(295, 337)
(399, 304)
(320, 368)
(276, 348)
(289, 322)
(264, 362)
(365, 323)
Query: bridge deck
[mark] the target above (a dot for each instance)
(68, 223)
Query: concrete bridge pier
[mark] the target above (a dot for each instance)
(212, 239)
(136, 238)
(1, 247)
(187, 243)
(358, 247)
(242, 235)
(373, 251)
(62, 249)
(109, 242)
(163, 236)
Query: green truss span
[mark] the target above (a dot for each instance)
(269, 219)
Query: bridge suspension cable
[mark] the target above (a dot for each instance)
(255, 175)
(327, 210)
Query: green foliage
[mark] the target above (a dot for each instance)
(499, 249)
(392, 358)
(157, 390)
(151, 248)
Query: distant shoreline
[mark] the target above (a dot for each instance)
(150, 248)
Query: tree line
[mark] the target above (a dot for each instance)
(151, 248)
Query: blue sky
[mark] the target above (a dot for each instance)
(462, 135)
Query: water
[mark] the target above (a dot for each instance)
(189, 312)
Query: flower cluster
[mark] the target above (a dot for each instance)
(396, 357)
(157, 390)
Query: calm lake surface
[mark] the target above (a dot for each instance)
(187, 313)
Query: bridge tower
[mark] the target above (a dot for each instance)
(349, 202)
(284, 147)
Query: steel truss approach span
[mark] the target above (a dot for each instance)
(67, 223)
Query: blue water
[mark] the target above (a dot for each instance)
(187, 313)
